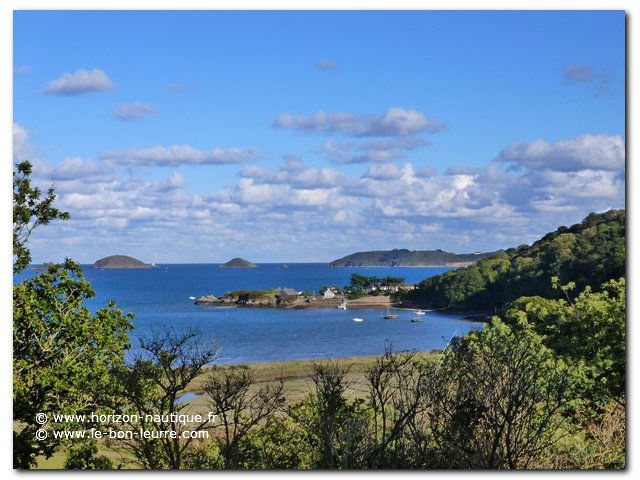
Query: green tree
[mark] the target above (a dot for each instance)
(29, 212)
(63, 355)
(498, 399)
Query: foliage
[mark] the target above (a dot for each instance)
(84, 456)
(29, 212)
(498, 399)
(588, 254)
(334, 427)
(63, 355)
(589, 330)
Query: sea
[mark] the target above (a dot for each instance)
(164, 297)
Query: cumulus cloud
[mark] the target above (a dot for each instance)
(376, 151)
(324, 209)
(396, 121)
(79, 82)
(181, 155)
(22, 149)
(326, 64)
(605, 152)
(133, 111)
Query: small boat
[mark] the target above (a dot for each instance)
(415, 319)
(342, 306)
(357, 319)
(389, 316)
(419, 312)
(192, 298)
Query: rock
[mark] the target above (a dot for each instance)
(206, 299)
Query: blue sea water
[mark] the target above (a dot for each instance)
(161, 296)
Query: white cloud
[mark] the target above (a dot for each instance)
(270, 210)
(396, 121)
(22, 149)
(604, 152)
(181, 155)
(79, 82)
(376, 151)
(133, 111)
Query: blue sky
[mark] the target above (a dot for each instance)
(302, 136)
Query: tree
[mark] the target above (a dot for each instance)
(29, 212)
(498, 399)
(589, 329)
(166, 364)
(240, 407)
(63, 355)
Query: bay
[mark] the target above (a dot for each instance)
(161, 297)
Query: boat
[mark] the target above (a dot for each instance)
(342, 306)
(356, 319)
(419, 312)
(389, 316)
(192, 298)
(415, 319)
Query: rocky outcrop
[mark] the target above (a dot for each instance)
(207, 300)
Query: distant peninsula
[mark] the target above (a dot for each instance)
(120, 261)
(238, 263)
(409, 258)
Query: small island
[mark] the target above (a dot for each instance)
(120, 261)
(238, 263)
(401, 257)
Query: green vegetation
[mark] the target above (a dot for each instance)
(588, 254)
(63, 355)
(406, 258)
(238, 263)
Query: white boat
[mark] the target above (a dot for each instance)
(342, 306)
(415, 319)
(389, 316)
(419, 312)
(192, 298)
(357, 319)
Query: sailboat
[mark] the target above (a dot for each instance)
(342, 306)
(389, 316)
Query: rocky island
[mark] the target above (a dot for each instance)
(238, 263)
(409, 258)
(289, 298)
(120, 261)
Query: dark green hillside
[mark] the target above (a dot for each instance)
(401, 257)
(589, 254)
(238, 263)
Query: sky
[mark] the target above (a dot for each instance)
(306, 136)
